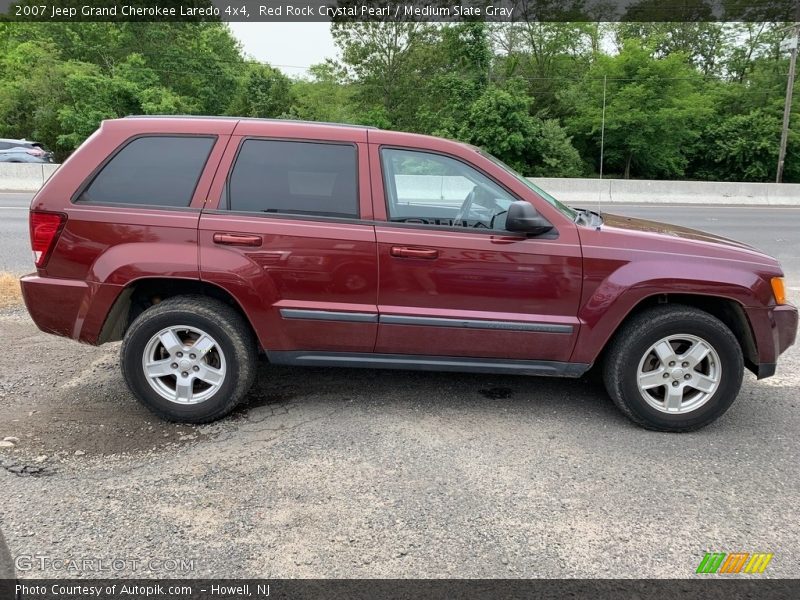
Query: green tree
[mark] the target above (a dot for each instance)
(58, 80)
(264, 92)
(384, 58)
(556, 156)
(740, 148)
(457, 74)
(701, 42)
(323, 96)
(500, 122)
(654, 111)
(548, 55)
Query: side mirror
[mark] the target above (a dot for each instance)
(524, 218)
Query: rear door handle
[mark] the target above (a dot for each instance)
(237, 239)
(406, 252)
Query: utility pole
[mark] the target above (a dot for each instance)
(787, 107)
(603, 128)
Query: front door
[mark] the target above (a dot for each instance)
(452, 281)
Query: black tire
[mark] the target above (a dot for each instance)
(637, 335)
(223, 324)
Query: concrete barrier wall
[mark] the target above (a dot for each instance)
(24, 177)
(603, 191)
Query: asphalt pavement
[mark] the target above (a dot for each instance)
(382, 474)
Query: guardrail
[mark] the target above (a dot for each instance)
(29, 177)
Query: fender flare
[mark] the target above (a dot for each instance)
(612, 302)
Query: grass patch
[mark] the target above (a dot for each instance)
(10, 294)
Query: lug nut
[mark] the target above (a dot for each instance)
(671, 363)
(687, 376)
(684, 364)
(674, 384)
(192, 356)
(174, 365)
(179, 355)
(666, 375)
(185, 374)
(195, 368)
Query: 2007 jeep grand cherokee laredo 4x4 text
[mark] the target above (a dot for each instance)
(201, 242)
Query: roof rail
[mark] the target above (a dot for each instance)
(250, 119)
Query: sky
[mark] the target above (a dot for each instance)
(291, 47)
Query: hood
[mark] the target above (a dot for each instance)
(651, 235)
(674, 231)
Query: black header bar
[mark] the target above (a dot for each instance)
(410, 10)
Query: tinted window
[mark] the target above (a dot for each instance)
(431, 189)
(303, 178)
(160, 171)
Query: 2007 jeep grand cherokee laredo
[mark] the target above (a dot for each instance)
(202, 242)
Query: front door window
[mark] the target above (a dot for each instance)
(431, 189)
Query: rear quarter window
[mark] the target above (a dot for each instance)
(302, 178)
(153, 171)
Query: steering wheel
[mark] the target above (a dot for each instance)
(466, 206)
(494, 217)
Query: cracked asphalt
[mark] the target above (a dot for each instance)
(383, 474)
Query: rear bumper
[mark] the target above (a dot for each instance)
(775, 329)
(68, 307)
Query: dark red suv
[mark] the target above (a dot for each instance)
(202, 242)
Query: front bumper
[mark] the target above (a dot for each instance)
(785, 327)
(774, 329)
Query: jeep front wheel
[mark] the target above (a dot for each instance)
(674, 368)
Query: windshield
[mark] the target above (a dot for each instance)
(562, 207)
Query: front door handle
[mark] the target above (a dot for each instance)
(406, 252)
(237, 239)
(506, 239)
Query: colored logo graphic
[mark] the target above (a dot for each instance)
(735, 562)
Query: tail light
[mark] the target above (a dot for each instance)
(45, 229)
(35, 151)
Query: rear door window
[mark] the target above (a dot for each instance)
(154, 170)
(296, 178)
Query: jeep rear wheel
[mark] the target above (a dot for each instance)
(189, 359)
(674, 368)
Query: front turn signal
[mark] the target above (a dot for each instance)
(778, 290)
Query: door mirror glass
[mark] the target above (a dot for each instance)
(523, 218)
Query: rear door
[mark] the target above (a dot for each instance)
(453, 282)
(287, 230)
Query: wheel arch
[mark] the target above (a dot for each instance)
(727, 310)
(142, 293)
